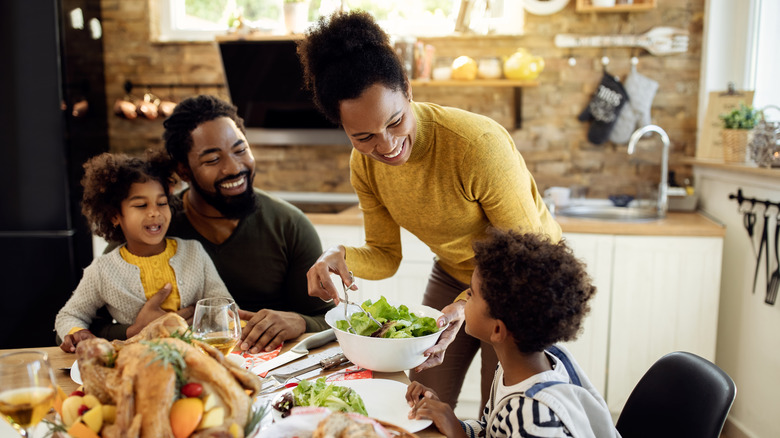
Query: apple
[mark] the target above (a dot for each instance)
(70, 409)
(94, 418)
(91, 401)
(209, 402)
(109, 414)
(212, 418)
(186, 414)
(235, 430)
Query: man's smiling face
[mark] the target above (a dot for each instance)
(222, 168)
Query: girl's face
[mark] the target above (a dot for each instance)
(145, 218)
(380, 124)
(479, 323)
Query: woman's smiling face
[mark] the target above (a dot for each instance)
(380, 124)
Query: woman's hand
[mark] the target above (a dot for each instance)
(266, 329)
(318, 278)
(426, 405)
(72, 340)
(452, 318)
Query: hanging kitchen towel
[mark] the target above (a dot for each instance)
(603, 108)
(636, 113)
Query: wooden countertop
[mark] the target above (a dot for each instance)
(675, 224)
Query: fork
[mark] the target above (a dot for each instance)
(347, 301)
(774, 283)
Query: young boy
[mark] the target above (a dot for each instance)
(526, 294)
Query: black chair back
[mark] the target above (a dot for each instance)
(681, 395)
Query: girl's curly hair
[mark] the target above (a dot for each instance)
(343, 55)
(107, 180)
(539, 289)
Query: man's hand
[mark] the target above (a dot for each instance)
(452, 318)
(426, 405)
(152, 310)
(266, 329)
(318, 276)
(72, 340)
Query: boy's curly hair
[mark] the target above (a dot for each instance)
(343, 55)
(107, 180)
(539, 289)
(188, 115)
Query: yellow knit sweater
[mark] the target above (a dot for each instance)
(463, 175)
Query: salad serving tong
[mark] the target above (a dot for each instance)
(347, 301)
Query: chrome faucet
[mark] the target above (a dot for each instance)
(663, 186)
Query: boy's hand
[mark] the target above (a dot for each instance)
(427, 406)
(152, 310)
(453, 318)
(72, 340)
(266, 329)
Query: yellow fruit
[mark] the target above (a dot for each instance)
(70, 409)
(109, 414)
(212, 418)
(209, 402)
(94, 418)
(81, 430)
(185, 416)
(235, 430)
(523, 66)
(91, 401)
(464, 68)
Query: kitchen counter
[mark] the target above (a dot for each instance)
(675, 224)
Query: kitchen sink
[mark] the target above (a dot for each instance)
(610, 213)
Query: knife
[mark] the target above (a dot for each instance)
(325, 364)
(300, 350)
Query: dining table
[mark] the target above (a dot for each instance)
(61, 363)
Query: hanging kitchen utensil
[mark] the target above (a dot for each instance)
(774, 283)
(764, 236)
(749, 220)
(657, 41)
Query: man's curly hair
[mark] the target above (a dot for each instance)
(188, 115)
(107, 180)
(343, 55)
(539, 289)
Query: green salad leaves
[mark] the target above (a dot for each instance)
(403, 324)
(335, 398)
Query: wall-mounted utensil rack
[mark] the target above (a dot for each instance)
(657, 41)
(741, 199)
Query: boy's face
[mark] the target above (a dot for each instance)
(145, 218)
(477, 314)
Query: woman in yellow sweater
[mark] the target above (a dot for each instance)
(443, 174)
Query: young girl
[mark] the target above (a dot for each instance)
(127, 199)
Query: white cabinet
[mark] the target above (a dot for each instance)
(655, 295)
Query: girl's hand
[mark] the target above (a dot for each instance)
(151, 310)
(453, 318)
(318, 277)
(427, 406)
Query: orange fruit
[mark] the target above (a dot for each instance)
(185, 416)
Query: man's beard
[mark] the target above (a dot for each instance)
(232, 207)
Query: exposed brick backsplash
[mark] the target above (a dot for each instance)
(551, 139)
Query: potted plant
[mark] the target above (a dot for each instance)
(296, 15)
(737, 125)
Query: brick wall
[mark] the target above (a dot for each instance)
(552, 140)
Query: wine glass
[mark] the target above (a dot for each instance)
(216, 323)
(26, 389)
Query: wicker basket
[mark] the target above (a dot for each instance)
(735, 142)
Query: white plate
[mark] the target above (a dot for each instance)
(385, 400)
(75, 375)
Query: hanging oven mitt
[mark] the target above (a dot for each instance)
(641, 91)
(603, 108)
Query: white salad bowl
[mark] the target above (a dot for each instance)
(381, 354)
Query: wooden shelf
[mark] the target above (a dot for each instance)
(474, 83)
(745, 168)
(636, 6)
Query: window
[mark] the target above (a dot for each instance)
(766, 63)
(202, 20)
